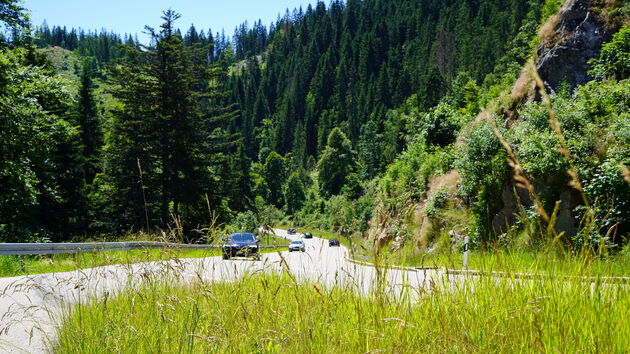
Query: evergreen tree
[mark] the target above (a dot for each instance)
(12, 18)
(165, 139)
(89, 123)
(294, 193)
(274, 175)
(336, 163)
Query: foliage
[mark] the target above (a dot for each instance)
(610, 195)
(614, 59)
(293, 192)
(12, 18)
(275, 173)
(335, 164)
(167, 155)
(348, 65)
(89, 122)
(538, 146)
(40, 170)
(436, 202)
(482, 165)
(246, 222)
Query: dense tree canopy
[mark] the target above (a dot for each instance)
(164, 139)
(345, 65)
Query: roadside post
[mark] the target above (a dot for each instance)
(466, 239)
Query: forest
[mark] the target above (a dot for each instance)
(394, 122)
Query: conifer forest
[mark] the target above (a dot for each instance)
(393, 122)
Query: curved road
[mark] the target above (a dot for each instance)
(31, 306)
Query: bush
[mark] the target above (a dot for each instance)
(245, 222)
(610, 196)
(614, 60)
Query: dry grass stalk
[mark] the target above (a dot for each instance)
(548, 30)
(626, 172)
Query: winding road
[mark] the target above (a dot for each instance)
(31, 306)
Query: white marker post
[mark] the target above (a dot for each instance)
(466, 239)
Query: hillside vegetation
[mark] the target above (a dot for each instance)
(403, 125)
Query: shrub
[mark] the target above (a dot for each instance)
(614, 59)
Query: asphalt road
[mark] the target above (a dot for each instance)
(31, 306)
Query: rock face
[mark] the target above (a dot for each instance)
(579, 36)
(515, 199)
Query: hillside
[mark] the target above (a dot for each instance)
(396, 123)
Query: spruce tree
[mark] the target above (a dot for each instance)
(167, 135)
(89, 123)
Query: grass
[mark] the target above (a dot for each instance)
(494, 259)
(24, 265)
(521, 261)
(269, 313)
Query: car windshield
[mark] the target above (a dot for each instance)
(243, 237)
(297, 242)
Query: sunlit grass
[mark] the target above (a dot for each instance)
(506, 260)
(23, 265)
(493, 259)
(275, 314)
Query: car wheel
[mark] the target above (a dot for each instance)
(225, 256)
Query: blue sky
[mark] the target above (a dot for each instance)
(130, 16)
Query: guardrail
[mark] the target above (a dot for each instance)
(84, 247)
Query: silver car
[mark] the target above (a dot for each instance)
(297, 246)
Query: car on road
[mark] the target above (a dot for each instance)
(297, 246)
(334, 243)
(308, 235)
(291, 231)
(242, 244)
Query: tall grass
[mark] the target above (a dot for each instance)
(22, 265)
(266, 313)
(514, 260)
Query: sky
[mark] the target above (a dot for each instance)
(130, 16)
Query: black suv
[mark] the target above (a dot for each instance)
(334, 243)
(308, 235)
(241, 244)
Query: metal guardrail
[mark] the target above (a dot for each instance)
(84, 247)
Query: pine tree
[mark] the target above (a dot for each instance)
(89, 123)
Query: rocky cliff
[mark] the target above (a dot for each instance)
(573, 37)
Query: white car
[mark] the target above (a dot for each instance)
(297, 246)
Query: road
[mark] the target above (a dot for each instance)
(31, 306)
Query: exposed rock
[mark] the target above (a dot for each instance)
(565, 221)
(579, 36)
(512, 199)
